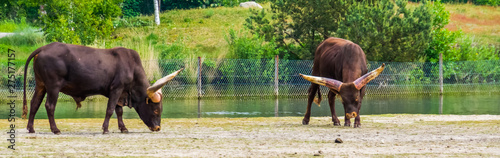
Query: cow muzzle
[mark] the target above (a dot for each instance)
(350, 115)
(155, 128)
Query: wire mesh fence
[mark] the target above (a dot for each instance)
(215, 78)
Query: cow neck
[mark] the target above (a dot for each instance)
(138, 92)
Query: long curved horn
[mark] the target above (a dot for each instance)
(154, 90)
(363, 80)
(330, 83)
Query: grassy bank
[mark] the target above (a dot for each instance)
(381, 136)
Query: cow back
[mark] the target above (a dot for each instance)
(85, 71)
(339, 59)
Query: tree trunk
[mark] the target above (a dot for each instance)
(157, 13)
(159, 6)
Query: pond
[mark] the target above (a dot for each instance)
(454, 104)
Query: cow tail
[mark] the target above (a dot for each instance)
(318, 100)
(25, 108)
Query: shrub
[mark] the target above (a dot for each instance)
(487, 2)
(79, 21)
(388, 31)
(13, 25)
(176, 50)
(255, 47)
(467, 49)
(17, 9)
(26, 37)
(132, 8)
(131, 22)
(209, 13)
(476, 2)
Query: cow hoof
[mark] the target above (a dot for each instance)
(31, 131)
(304, 122)
(125, 131)
(347, 125)
(105, 132)
(336, 124)
(357, 126)
(56, 131)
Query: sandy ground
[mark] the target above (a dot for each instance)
(380, 136)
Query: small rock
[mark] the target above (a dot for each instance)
(250, 4)
(338, 140)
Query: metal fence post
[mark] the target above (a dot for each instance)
(440, 73)
(199, 77)
(276, 81)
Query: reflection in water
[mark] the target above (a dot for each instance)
(276, 107)
(451, 104)
(441, 104)
(199, 108)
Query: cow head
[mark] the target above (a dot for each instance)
(349, 92)
(151, 107)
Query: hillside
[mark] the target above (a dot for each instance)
(203, 32)
(481, 22)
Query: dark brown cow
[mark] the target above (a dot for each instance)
(81, 71)
(342, 67)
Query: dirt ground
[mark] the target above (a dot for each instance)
(380, 136)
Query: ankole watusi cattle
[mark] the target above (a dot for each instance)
(340, 65)
(80, 71)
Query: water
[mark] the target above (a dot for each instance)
(455, 104)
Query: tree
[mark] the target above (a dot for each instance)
(79, 21)
(18, 9)
(301, 25)
(386, 29)
(388, 32)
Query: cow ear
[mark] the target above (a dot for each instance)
(328, 82)
(363, 80)
(156, 97)
(160, 83)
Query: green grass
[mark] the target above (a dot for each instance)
(13, 25)
(201, 31)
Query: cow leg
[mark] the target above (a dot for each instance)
(35, 105)
(331, 102)
(312, 91)
(113, 100)
(357, 120)
(119, 113)
(50, 106)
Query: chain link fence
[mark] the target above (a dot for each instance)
(221, 78)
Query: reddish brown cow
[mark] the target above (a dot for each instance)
(81, 71)
(342, 67)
